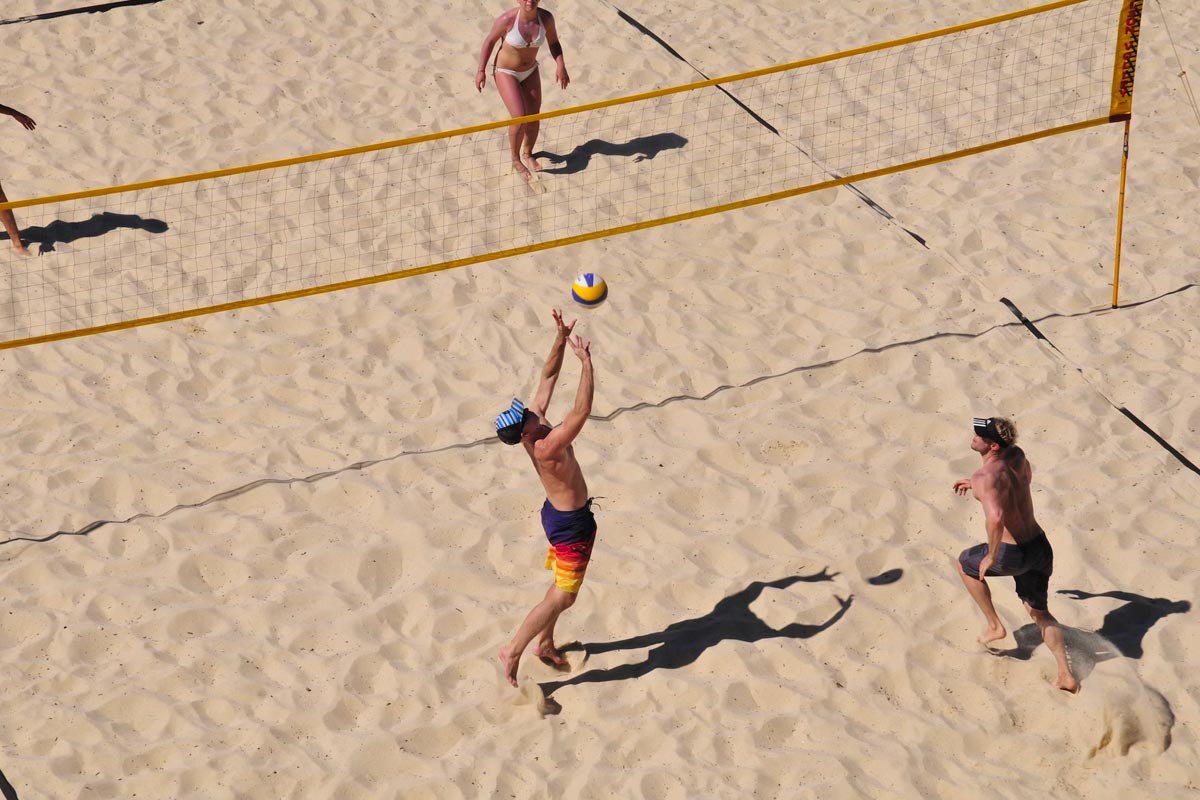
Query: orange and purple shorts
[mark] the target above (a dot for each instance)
(571, 535)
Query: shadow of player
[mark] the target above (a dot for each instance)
(1127, 625)
(683, 642)
(46, 236)
(1121, 633)
(99, 8)
(643, 148)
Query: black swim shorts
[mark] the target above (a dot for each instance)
(1029, 564)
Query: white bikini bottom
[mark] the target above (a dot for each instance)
(520, 76)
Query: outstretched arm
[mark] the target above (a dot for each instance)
(541, 401)
(561, 437)
(19, 117)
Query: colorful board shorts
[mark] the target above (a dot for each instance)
(1029, 564)
(571, 535)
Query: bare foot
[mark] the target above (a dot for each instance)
(20, 248)
(508, 663)
(550, 654)
(528, 158)
(522, 170)
(530, 178)
(992, 634)
(1067, 682)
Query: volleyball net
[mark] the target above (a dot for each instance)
(160, 250)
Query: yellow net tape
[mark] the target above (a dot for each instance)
(160, 250)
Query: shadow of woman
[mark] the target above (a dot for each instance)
(643, 147)
(683, 642)
(100, 224)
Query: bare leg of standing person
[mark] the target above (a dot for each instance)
(1053, 637)
(514, 100)
(982, 596)
(539, 621)
(531, 89)
(10, 226)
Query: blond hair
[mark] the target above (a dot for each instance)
(1006, 431)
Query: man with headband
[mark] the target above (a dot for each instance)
(567, 513)
(1016, 545)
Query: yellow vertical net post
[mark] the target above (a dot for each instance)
(1124, 66)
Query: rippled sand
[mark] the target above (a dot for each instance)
(272, 553)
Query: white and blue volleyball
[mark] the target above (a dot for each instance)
(589, 289)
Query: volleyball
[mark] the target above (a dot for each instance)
(589, 289)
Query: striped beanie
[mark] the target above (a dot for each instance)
(509, 423)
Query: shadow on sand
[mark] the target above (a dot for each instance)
(1127, 625)
(1120, 634)
(683, 642)
(642, 148)
(65, 232)
(100, 8)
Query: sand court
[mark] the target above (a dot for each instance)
(272, 552)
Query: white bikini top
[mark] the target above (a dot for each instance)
(515, 38)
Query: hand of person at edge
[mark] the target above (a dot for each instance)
(23, 119)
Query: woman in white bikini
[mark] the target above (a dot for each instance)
(521, 32)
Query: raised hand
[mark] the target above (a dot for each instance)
(564, 331)
(581, 347)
